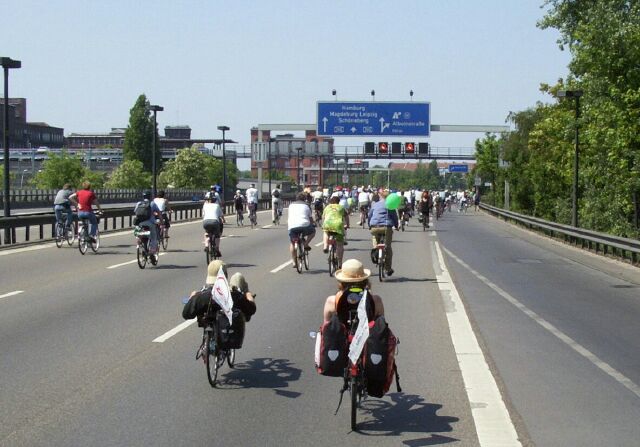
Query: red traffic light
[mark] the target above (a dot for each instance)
(383, 148)
(409, 148)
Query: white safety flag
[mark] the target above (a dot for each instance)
(362, 332)
(222, 294)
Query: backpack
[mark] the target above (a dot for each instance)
(379, 358)
(331, 353)
(230, 335)
(276, 193)
(142, 212)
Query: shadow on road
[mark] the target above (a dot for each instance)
(236, 265)
(262, 373)
(408, 413)
(174, 267)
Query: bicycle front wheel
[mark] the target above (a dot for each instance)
(96, 245)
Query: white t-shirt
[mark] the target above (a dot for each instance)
(363, 198)
(252, 195)
(211, 211)
(317, 195)
(161, 203)
(299, 215)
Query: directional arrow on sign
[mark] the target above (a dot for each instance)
(383, 126)
(324, 121)
(353, 130)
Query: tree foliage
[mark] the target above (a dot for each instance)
(138, 138)
(59, 169)
(193, 169)
(129, 175)
(604, 40)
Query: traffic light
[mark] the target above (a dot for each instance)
(423, 149)
(370, 148)
(383, 148)
(396, 148)
(409, 148)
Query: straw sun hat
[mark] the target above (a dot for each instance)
(352, 271)
(213, 269)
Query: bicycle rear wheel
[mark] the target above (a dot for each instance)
(305, 257)
(231, 358)
(298, 258)
(83, 242)
(332, 260)
(69, 235)
(210, 358)
(59, 235)
(381, 272)
(353, 389)
(165, 239)
(141, 254)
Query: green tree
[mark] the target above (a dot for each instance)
(194, 170)
(59, 169)
(129, 175)
(138, 138)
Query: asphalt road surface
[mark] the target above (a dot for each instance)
(557, 328)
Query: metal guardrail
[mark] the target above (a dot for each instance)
(599, 243)
(113, 219)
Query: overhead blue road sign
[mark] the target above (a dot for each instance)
(458, 168)
(367, 119)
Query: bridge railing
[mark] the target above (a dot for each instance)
(40, 227)
(599, 243)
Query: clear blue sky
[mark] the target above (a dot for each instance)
(242, 63)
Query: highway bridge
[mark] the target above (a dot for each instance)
(506, 338)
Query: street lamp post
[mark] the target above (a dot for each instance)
(335, 94)
(154, 171)
(299, 178)
(224, 163)
(574, 196)
(22, 177)
(411, 94)
(7, 64)
(373, 95)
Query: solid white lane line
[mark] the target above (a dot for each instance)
(577, 347)
(319, 244)
(167, 335)
(493, 423)
(127, 263)
(268, 226)
(16, 292)
(280, 267)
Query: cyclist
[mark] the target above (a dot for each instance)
(300, 221)
(86, 199)
(404, 208)
(363, 203)
(276, 203)
(199, 301)
(212, 222)
(425, 205)
(238, 202)
(165, 209)
(150, 221)
(62, 204)
(252, 200)
(318, 203)
(382, 221)
(353, 280)
(213, 191)
(335, 219)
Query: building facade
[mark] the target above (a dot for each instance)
(24, 134)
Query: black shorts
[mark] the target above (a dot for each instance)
(212, 227)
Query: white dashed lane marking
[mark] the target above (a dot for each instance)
(7, 295)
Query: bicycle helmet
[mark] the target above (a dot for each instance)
(146, 195)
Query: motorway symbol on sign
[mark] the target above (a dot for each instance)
(458, 168)
(357, 119)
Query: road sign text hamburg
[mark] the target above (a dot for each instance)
(358, 119)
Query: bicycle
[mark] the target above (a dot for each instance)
(84, 239)
(211, 252)
(278, 215)
(425, 220)
(318, 215)
(239, 217)
(143, 255)
(381, 254)
(333, 256)
(364, 213)
(64, 231)
(163, 237)
(210, 350)
(302, 255)
(253, 216)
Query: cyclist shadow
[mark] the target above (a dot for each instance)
(408, 413)
(405, 279)
(238, 265)
(262, 373)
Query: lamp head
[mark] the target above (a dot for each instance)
(7, 62)
(223, 128)
(155, 108)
